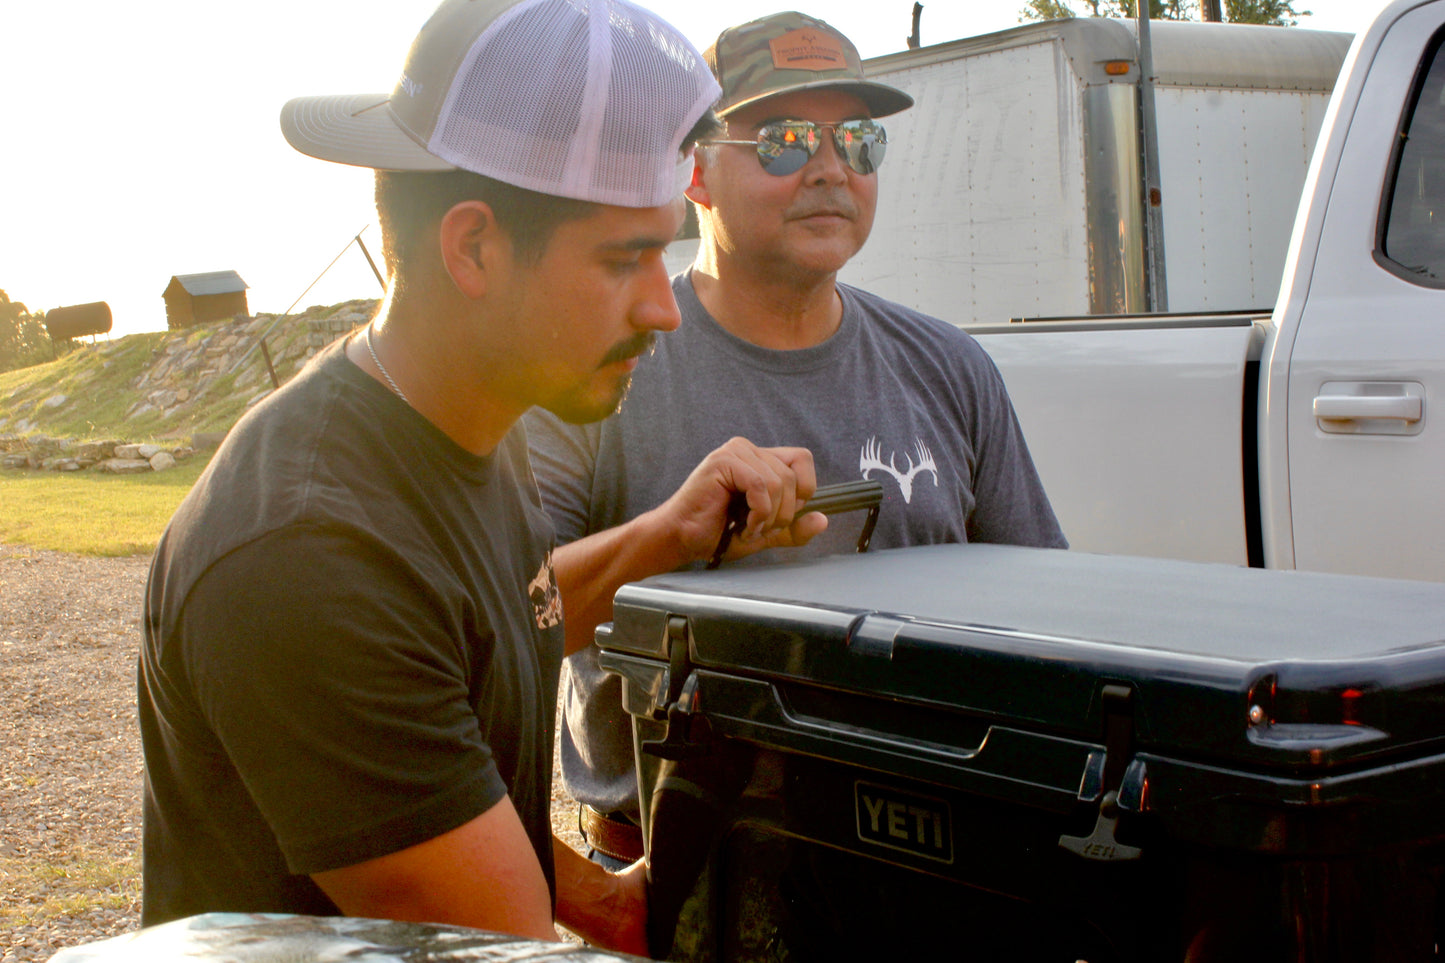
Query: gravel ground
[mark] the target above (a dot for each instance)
(70, 759)
(70, 766)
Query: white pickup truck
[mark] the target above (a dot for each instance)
(1309, 437)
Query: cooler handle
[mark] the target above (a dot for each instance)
(830, 500)
(1052, 772)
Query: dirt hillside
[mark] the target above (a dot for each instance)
(167, 386)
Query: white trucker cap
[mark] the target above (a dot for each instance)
(587, 99)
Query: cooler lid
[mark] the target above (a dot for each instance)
(1276, 668)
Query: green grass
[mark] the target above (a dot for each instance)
(89, 513)
(98, 384)
(108, 391)
(68, 885)
(93, 378)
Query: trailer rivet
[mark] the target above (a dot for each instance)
(1256, 715)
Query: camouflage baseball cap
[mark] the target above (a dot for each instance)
(784, 52)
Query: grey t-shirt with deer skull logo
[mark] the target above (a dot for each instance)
(894, 395)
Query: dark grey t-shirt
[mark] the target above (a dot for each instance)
(894, 395)
(352, 639)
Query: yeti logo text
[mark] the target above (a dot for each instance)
(899, 820)
(872, 458)
(411, 87)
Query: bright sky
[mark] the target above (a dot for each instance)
(141, 140)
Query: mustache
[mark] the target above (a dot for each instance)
(639, 344)
(829, 201)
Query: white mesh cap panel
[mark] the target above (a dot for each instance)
(631, 130)
(579, 98)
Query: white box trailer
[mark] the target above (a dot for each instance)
(1015, 188)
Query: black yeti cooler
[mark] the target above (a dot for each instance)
(996, 753)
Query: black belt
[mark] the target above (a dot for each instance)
(611, 834)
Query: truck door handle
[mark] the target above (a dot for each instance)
(1349, 408)
(1370, 407)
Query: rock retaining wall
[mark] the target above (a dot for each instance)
(185, 369)
(38, 453)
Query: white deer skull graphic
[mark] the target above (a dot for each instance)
(871, 458)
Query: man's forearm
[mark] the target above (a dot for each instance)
(776, 482)
(590, 571)
(605, 909)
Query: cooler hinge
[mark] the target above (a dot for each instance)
(679, 706)
(1102, 844)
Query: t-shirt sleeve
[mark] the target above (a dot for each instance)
(564, 460)
(340, 695)
(1011, 506)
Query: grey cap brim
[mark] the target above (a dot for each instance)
(355, 129)
(882, 100)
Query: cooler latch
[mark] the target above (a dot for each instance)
(678, 706)
(1102, 844)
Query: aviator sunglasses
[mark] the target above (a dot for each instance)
(784, 146)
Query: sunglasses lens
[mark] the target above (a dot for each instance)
(862, 144)
(783, 149)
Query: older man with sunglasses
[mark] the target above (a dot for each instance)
(773, 348)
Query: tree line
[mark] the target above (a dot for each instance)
(1278, 13)
(24, 340)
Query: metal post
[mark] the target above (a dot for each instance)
(266, 353)
(379, 279)
(1158, 297)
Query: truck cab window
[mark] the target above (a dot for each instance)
(1414, 235)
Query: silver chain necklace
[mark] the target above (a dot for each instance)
(382, 368)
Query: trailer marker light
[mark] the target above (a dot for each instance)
(1116, 68)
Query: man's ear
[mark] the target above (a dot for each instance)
(697, 191)
(472, 244)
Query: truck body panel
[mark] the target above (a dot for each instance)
(1365, 494)
(1086, 396)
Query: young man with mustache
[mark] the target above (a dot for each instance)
(353, 624)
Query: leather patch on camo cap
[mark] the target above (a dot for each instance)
(806, 49)
(787, 52)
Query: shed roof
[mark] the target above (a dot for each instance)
(212, 282)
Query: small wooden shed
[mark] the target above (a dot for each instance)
(198, 298)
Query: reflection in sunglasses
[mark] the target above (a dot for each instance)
(785, 146)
